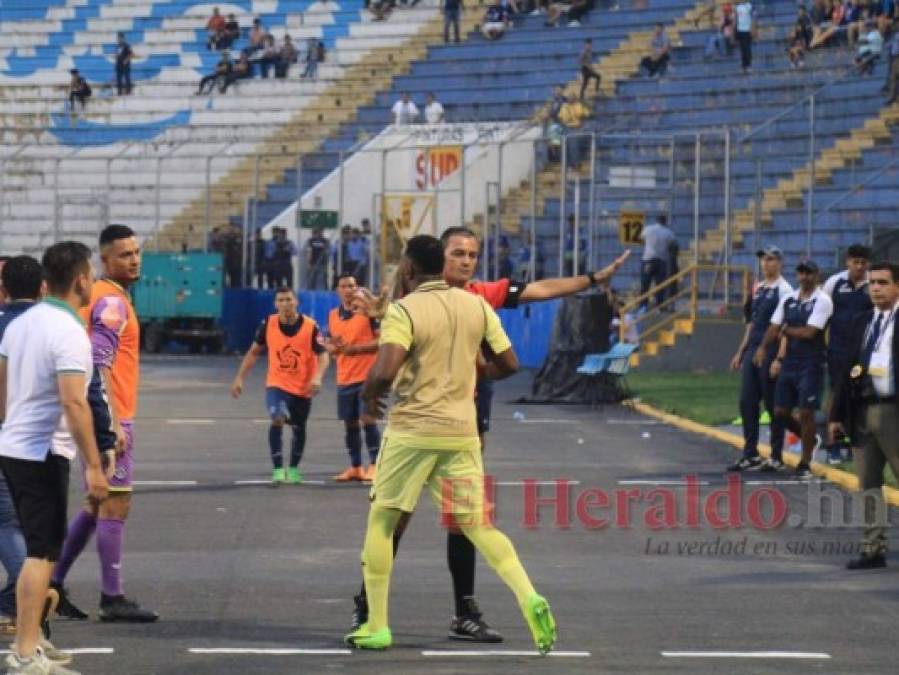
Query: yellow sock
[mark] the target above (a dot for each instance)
(500, 555)
(377, 563)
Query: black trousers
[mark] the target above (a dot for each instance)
(744, 39)
(653, 271)
(123, 79)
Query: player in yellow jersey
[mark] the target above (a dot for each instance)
(432, 433)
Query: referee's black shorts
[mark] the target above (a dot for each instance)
(40, 493)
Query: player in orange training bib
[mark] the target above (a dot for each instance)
(296, 362)
(353, 344)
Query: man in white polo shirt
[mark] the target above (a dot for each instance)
(45, 366)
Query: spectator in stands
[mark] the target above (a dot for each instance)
(722, 42)
(496, 21)
(433, 110)
(657, 239)
(578, 10)
(256, 37)
(826, 31)
(241, 71)
(556, 103)
(799, 38)
(314, 53)
(452, 10)
(217, 76)
(587, 71)
(287, 55)
(868, 21)
(892, 84)
(744, 34)
(317, 250)
(269, 56)
(571, 117)
(123, 58)
(215, 29)
(870, 47)
(404, 111)
(79, 89)
(381, 9)
(657, 62)
(230, 34)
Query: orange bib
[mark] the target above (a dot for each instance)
(291, 361)
(124, 374)
(356, 330)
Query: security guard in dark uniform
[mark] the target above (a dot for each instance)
(865, 405)
(756, 384)
(848, 290)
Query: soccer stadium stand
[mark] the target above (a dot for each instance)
(64, 171)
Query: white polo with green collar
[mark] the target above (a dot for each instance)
(46, 342)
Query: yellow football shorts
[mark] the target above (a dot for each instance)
(454, 477)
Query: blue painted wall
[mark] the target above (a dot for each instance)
(529, 327)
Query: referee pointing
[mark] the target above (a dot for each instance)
(865, 404)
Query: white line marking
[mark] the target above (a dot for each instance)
(540, 420)
(520, 483)
(176, 483)
(501, 652)
(748, 655)
(190, 421)
(269, 652)
(660, 482)
(78, 650)
(776, 482)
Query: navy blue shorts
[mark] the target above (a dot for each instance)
(799, 385)
(349, 402)
(294, 410)
(483, 404)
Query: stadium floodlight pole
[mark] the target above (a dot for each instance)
(563, 184)
(811, 176)
(697, 187)
(532, 259)
(591, 218)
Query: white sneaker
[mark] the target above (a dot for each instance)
(54, 655)
(36, 665)
(574, 24)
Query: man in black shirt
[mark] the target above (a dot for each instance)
(123, 58)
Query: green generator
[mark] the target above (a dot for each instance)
(179, 298)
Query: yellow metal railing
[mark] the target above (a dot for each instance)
(687, 284)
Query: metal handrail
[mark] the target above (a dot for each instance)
(783, 113)
(860, 186)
